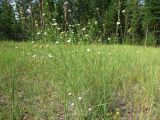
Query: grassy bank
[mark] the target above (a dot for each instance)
(78, 82)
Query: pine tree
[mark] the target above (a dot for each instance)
(8, 20)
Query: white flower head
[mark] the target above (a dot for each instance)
(88, 50)
(38, 33)
(80, 98)
(69, 10)
(45, 33)
(99, 52)
(59, 28)
(33, 41)
(68, 41)
(56, 42)
(69, 94)
(50, 55)
(129, 30)
(16, 47)
(43, 14)
(123, 11)
(72, 104)
(89, 109)
(70, 25)
(118, 23)
(54, 19)
(65, 3)
(109, 53)
(109, 38)
(83, 29)
(86, 35)
(99, 40)
(95, 22)
(34, 56)
(55, 24)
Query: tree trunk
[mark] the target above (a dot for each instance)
(146, 36)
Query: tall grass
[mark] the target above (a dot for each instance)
(48, 81)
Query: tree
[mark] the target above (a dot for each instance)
(7, 20)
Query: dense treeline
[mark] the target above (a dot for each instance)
(106, 21)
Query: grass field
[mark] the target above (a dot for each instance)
(78, 82)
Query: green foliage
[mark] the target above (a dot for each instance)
(135, 20)
(8, 22)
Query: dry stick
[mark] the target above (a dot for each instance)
(32, 22)
(146, 36)
(41, 14)
(119, 8)
(66, 7)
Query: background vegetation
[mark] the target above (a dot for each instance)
(106, 21)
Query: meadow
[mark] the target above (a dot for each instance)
(47, 81)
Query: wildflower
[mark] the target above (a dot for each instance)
(89, 109)
(54, 19)
(16, 47)
(50, 55)
(72, 104)
(117, 113)
(38, 33)
(123, 11)
(70, 25)
(68, 41)
(34, 56)
(59, 28)
(99, 52)
(65, 3)
(72, 32)
(35, 21)
(62, 32)
(109, 38)
(80, 98)
(95, 22)
(69, 94)
(33, 41)
(83, 29)
(99, 40)
(86, 35)
(56, 42)
(43, 14)
(45, 33)
(55, 24)
(36, 24)
(97, 9)
(118, 23)
(78, 24)
(69, 10)
(129, 30)
(88, 50)
(109, 53)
